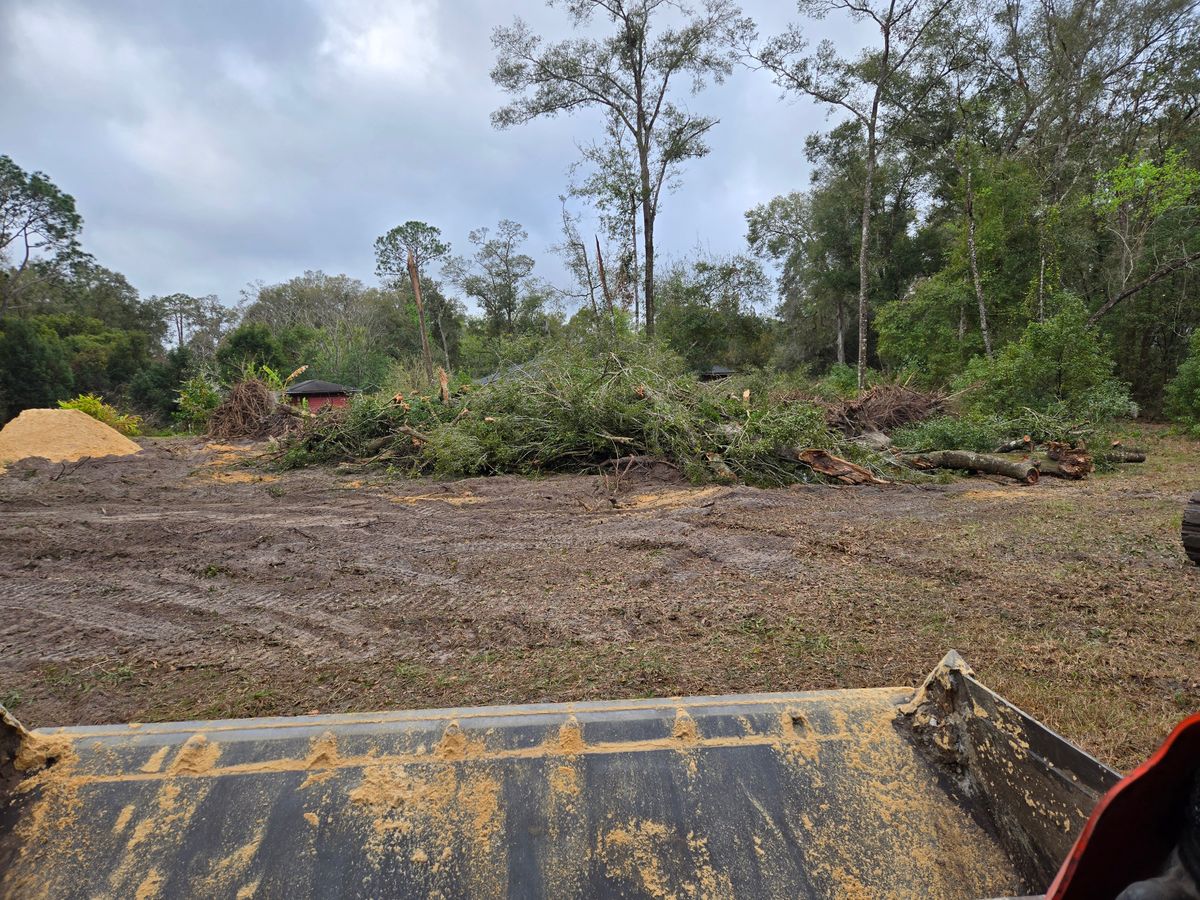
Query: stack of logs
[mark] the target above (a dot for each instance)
(1055, 459)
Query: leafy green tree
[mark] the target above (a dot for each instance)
(196, 322)
(35, 371)
(154, 391)
(708, 314)
(444, 314)
(1183, 392)
(925, 333)
(814, 237)
(634, 74)
(79, 286)
(251, 343)
(342, 329)
(420, 239)
(103, 360)
(880, 89)
(1062, 364)
(499, 276)
(1152, 209)
(37, 220)
(814, 247)
(409, 248)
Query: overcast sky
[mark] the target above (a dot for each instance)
(211, 144)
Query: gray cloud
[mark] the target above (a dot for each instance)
(212, 144)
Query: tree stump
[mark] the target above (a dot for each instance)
(1191, 529)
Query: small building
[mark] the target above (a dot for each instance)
(319, 394)
(714, 373)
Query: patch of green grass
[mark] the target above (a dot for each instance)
(407, 671)
(804, 643)
(86, 680)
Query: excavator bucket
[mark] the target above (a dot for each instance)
(945, 792)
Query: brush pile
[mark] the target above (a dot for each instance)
(250, 411)
(577, 411)
(884, 407)
(586, 410)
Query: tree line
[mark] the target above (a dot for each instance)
(989, 168)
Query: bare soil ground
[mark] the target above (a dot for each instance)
(182, 584)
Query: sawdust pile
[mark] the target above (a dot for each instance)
(60, 435)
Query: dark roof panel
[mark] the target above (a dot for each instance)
(320, 387)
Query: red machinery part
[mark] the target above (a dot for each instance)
(1136, 825)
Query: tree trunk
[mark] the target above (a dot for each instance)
(648, 289)
(633, 248)
(1041, 312)
(442, 337)
(1062, 468)
(841, 333)
(1122, 455)
(1022, 470)
(416, 286)
(974, 259)
(1168, 269)
(864, 286)
(608, 300)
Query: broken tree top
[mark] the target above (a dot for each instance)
(320, 387)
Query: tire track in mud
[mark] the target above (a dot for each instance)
(326, 592)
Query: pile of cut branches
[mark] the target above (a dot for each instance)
(883, 408)
(250, 411)
(579, 411)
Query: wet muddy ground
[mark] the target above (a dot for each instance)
(188, 583)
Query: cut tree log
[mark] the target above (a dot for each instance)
(1058, 469)
(1123, 455)
(1022, 443)
(831, 466)
(1073, 462)
(1022, 470)
(1191, 529)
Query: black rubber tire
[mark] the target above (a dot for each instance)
(1191, 529)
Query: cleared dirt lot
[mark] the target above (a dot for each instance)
(180, 584)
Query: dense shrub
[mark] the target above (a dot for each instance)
(198, 397)
(1183, 392)
(924, 332)
(94, 406)
(1061, 366)
(154, 391)
(250, 344)
(984, 433)
(35, 368)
